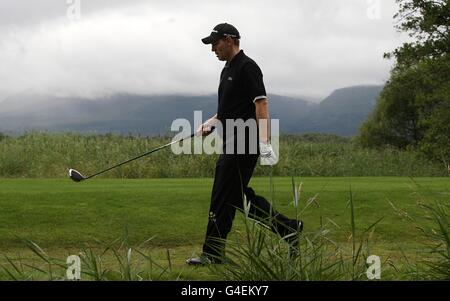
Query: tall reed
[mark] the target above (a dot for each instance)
(37, 155)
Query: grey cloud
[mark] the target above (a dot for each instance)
(30, 13)
(153, 47)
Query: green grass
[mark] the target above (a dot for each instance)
(51, 155)
(62, 217)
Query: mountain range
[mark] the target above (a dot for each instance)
(341, 113)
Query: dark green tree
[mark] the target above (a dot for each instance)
(428, 23)
(414, 107)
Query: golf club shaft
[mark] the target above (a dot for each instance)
(143, 155)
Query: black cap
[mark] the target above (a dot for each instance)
(220, 31)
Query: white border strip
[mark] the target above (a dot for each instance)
(259, 97)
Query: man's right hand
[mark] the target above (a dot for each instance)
(204, 129)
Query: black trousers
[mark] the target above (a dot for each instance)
(232, 175)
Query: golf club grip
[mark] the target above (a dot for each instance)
(140, 156)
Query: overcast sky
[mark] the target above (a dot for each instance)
(305, 48)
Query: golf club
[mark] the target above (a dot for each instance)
(78, 177)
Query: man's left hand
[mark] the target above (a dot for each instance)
(268, 156)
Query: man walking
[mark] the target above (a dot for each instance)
(242, 96)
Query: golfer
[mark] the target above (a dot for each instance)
(242, 96)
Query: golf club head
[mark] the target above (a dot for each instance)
(76, 176)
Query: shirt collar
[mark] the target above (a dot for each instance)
(235, 59)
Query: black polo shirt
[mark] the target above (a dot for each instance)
(241, 84)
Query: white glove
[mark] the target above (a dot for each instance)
(268, 156)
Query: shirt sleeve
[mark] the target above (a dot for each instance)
(253, 80)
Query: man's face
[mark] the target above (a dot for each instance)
(222, 49)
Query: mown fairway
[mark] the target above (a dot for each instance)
(62, 216)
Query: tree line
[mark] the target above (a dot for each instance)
(413, 110)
